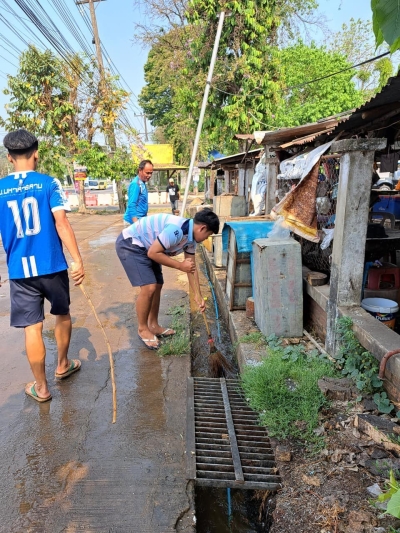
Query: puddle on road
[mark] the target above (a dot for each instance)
(103, 239)
(218, 510)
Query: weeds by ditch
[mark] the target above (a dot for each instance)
(178, 344)
(283, 388)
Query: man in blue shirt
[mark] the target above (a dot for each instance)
(138, 199)
(33, 226)
(151, 242)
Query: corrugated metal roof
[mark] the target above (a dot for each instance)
(387, 102)
(304, 140)
(167, 166)
(284, 135)
(236, 158)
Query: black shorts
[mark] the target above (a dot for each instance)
(28, 294)
(140, 269)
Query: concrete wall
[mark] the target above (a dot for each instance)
(106, 199)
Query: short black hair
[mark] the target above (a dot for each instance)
(209, 218)
(20, 143)
(143, 163)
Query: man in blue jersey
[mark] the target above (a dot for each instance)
(33, 226)
(152, 242)
(138, 198)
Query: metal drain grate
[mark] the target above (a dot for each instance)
(225, 445)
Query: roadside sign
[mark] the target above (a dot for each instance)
(80, 173)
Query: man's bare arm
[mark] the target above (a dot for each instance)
(67, 235)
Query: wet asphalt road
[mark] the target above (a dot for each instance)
(64, 467)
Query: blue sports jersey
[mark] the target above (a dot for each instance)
(30, 239)
(175, 234)
(138, 200)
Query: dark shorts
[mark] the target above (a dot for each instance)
(27, 298)
(138, 267)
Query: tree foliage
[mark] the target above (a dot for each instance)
(308, 102)
(100, 164)
(247, 64)
(386, 22)
(63, 103)
(257, 82)
(356, 42)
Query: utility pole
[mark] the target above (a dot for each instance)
(110, 131)
(96, 35)
(146, 136)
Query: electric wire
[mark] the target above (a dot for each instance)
(315, 80)
(39, 17)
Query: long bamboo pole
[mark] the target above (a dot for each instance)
(203, 109)
(110, 355)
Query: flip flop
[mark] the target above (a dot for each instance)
(74, 367)
(150, 340)
(31, 391)
(164, 333)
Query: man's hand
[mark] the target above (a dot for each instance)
(77, 272)
(201, 303)
(187, 266)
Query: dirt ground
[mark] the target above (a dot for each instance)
(328, 492)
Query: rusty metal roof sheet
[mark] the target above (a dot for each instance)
(285, 135)
(235, 158)
(385, 103)
(304, 140)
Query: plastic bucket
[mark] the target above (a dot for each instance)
(382, 309)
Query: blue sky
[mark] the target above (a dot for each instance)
(116, 26)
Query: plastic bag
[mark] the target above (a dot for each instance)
(323, 205)
(258, 187)
(328, 238)
(279, 232)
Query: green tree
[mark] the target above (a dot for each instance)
(246, 87)
(357, 43)
(117, 165)
(63, 103)
(308, 102)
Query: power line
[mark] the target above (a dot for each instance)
(54, 35)
(307, 82)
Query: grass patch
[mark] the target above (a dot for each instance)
(284, 390)
(178, 344)
(256, 337)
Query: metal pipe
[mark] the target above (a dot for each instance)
(385, 359)
(203, 109)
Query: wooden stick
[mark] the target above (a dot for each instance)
(317, 345)
(210, 339)
(110, 356)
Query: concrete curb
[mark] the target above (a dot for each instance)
(238, 324)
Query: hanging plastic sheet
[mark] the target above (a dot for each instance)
(298, 207)
(258, 187)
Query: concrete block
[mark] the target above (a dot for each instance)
(278, 293)
(73, 199)
(104, 199)
(229, 206)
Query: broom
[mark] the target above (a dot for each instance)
(110, 356)
(219, 365)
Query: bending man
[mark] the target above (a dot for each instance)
(150, 243)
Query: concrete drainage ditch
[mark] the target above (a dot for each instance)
(220, 507)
